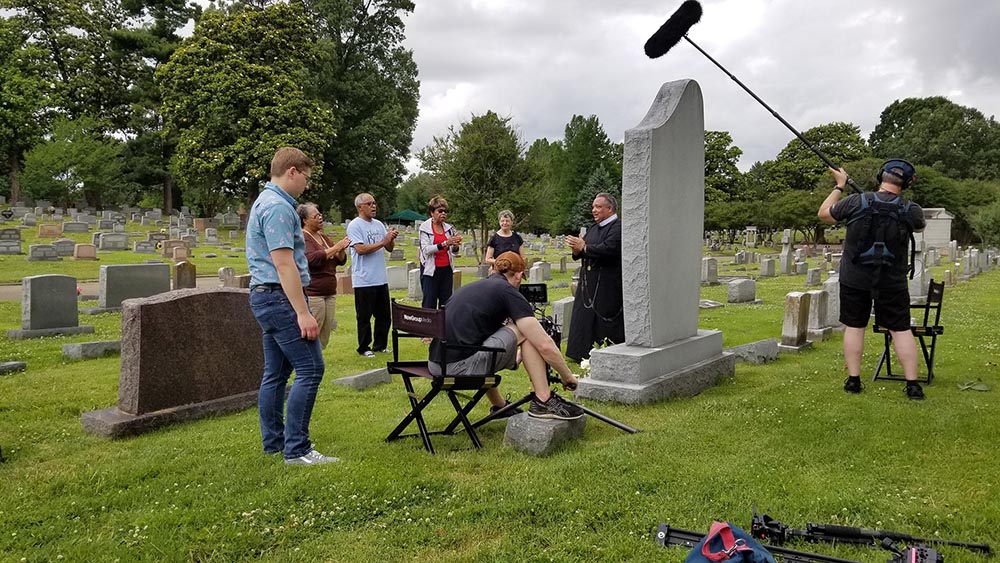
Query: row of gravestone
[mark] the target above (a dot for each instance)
(49, 303)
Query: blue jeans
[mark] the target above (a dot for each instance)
(285, 350)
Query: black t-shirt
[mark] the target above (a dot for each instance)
(502, 244)
(476, 311)
(863, 277)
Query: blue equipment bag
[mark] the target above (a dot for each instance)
(726, 543)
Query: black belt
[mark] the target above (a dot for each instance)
(261, 288)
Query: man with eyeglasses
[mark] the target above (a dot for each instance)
(370, 239)
(276, 258)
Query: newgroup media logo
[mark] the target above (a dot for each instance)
(415, 319)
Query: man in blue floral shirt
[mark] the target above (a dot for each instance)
(278, 274)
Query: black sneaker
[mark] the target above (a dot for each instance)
(506, 414)
(914, 391)
(852, 385)
(555, 407)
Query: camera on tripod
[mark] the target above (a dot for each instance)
(537, 295)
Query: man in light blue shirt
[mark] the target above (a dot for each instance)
(369, 242)
(278, 273)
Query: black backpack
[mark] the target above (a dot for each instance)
(882, 222)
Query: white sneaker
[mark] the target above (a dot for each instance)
(311, 458)
(368, 354)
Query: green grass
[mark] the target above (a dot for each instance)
(782, 435)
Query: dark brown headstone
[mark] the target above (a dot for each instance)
(188, 346)
(344, 286)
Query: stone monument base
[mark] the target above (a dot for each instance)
(113, 423)
(819, 334)
(637, 374)
(100, 310)
(365, 379)
(786, 349)
(686, 382)
(20, 334)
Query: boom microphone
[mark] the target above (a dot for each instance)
(676, 28)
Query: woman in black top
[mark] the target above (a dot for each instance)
(504, 240)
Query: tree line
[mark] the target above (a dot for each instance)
(483, 166)
(104, 101)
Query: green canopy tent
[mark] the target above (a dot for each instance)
(407, 215)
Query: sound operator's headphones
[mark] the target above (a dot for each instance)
(907, 173)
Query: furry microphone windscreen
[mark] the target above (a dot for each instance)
(673, 29)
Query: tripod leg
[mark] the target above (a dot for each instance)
(608, 420)
(500, 413)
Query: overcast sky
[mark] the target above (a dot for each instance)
(813, 61)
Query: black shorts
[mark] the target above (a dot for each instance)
(892, 308)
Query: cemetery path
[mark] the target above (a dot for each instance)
(12, 291)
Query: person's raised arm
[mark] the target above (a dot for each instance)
(824, 209)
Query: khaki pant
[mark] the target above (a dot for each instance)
(325, 310)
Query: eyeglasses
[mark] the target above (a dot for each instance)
(306, 174)
(372, 202)
(317, 216)
(441, 210)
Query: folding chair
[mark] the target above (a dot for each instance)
(415, 322)
(935, 294)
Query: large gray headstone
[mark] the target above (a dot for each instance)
(663, 208)
(128, 281)
(397, 276)
(49, 307)
(113, 241)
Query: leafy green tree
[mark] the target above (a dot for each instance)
(417, 190)
(81, 67)
(723, 180)
(150, 43)
(585, 148)
(985, 222)
(234, 93)
(801, 169)
(536, 207)
(599, 181)
(481, 163)
(78, 161)
(25, 95)
(366, 74)
(955, 140)
(730, 217)
(793, 209)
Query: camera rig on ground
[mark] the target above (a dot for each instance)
(776, 532)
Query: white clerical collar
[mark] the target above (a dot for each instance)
(608, 220)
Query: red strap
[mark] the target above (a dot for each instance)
(729, 543)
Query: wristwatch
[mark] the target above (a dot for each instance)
(840, 188)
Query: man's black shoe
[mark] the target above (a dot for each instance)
(508, 413)
(852, 385)
(556, 407)
(914, 392)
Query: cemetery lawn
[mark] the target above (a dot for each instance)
(782, 435)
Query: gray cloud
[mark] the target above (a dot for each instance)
(814, 62)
